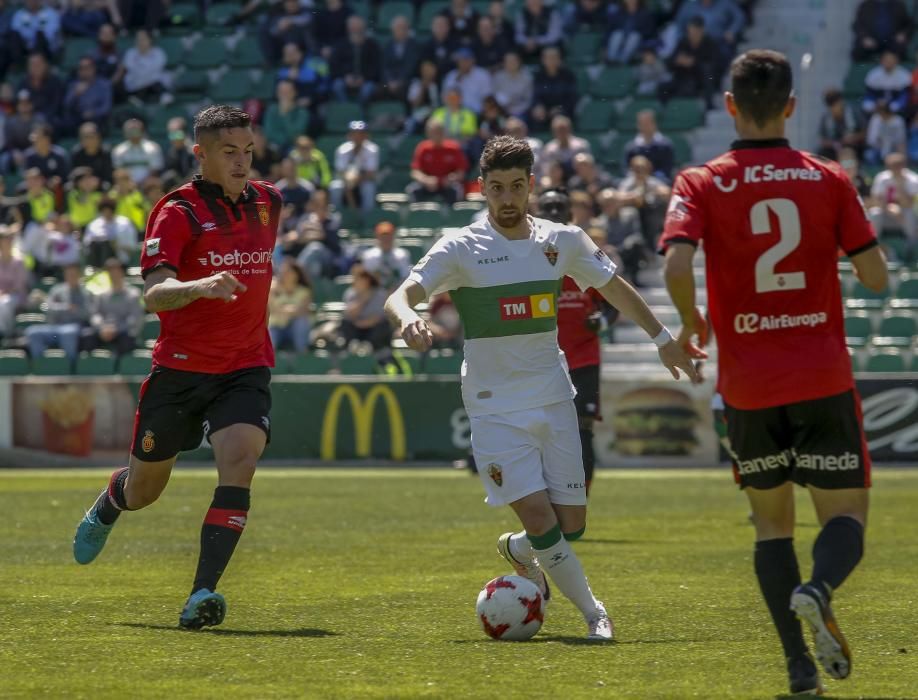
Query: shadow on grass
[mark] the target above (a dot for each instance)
(599, 540)
(583, 641)
(222, 631)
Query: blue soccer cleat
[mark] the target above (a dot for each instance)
(204, 609)
(90, 537)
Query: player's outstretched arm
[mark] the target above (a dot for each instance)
(400, 310)
(163, 292)
(624, 297)
(680, 283)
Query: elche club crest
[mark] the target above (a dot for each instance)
(494, 471)
(263, 215)
(551, 253)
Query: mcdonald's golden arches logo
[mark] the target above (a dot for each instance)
(362, 410)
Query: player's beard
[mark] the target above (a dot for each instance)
(508, 217)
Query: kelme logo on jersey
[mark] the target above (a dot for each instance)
(236, 258)
(534, 306)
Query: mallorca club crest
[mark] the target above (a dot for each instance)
(148, 442)
(551, 253)
(263, 216)
(494, 471)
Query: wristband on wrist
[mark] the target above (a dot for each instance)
(662, 338)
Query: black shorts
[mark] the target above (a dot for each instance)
(819, 443)
(586, 382)
(176, 410)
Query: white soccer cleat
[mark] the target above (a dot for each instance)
(602, 629)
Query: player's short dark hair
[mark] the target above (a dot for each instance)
(761, 83)
(506, 153)
(832, 96)
(210, 121)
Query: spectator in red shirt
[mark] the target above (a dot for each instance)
(438, 167)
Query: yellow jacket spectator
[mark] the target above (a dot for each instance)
(460, 123)
(129, 201)
(311, 163)
(83, 200)
(40, 198)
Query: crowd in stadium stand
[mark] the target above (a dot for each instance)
(89, 142)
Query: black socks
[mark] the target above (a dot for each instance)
(837, 550)
(778, 573)
(111, 501)
(223, 525)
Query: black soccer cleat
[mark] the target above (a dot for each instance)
(803, 676)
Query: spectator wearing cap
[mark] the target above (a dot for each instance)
(129, 200)
(513, 85)
(537, 27)
(310, 74)
(473, 82)
(460, 123)
(463, 19)
(440, 47)
(145, 74)
(69, 307)
(400, 59)
(651, 143)
(285, 120)
(630, 24)
(45, 88)
(438, 167)
(35, 27)
(89, 97)
(693, 65)
(137, 154)
(489, 45)
(554, 90)
(356, 63)
(388, 263)
(109, 235)
(117, 314)
(90, 152)
(84, 197)
(14, 281)
(881, 25)
(179, 158)
(356, 168)
(52, 160)
(311, 163)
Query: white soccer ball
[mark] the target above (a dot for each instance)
(510, 608)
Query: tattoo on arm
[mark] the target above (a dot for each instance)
(168, 293)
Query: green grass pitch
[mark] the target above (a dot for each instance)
(362, 584)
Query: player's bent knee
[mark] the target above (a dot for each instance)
(575, 535)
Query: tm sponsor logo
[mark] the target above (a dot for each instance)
(753, 323)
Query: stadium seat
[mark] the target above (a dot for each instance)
(415, 247)
(51, 364)
(184, 14)
(13, 363)
(442, 362)
(23, 321)
(913, 367)
(461, 213)
(612, 83)
(150, 331)
(584, 49)
(863, 298)
(137, 364)
(389, 11)
(358, 364)
(233, 86)
(209, 52)
(896, 330)
(424, 215)
(682, 114)
(854, 80)
(174, 48)
(99, 363)
(219, 13)
(596, 116)
(857, 329)
(74, 49)
(309, 364)
(339, 114)
(403, 151)
(428, 11)
(247, 54)
(385, 212)
(886, 360)
(682, 149)
(395, 180)
(906, 294)
(385, 116)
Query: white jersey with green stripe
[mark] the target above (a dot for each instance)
(506, 293)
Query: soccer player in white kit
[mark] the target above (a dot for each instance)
(504, 274)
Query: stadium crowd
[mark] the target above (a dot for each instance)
(88, 146)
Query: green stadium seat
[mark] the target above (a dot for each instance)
(339, 114)
(428, 11)
(682, 114)
(416, 248)
(358, 364)
(402, 153)
(886, 360)
(857, 329)
(99, 363)
(442, 362)
(13, 363)
(74, 49)
(209, 52)
(596, 116)
(855, 361)
(53, 363)
(389, 11)
(906, 294)
(137, 364)
(896, 330)
(361, 8)
(863, 298)
(150, 328)
(682, 149)
(584, 49)
(424, 215)
(174, 47)
(233, 86)
(386, 212)
(246, 54)
(627, 118)
(23, 321)
(310, 364)
(913, 366)
(461, 213)
(184, 14)
(385, 115)
(612, 83)
(854, 80)
(219, 13)
(263, 88)
(395, 180)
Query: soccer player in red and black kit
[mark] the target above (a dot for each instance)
(772, 221)
(581, 316)
(207, 272)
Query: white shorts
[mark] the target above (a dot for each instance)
(522, 452)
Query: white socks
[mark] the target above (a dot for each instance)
(560, 563)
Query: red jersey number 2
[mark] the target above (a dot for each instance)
(788, 219)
